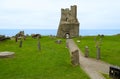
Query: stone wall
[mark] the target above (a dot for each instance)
(68, 23)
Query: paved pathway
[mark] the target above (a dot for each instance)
(92, 67)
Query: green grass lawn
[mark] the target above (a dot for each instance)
(52, 62)
(110, 47)
(106, 76)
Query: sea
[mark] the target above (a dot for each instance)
(45, 32)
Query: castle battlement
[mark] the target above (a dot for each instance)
(68, 23)
(69, 15)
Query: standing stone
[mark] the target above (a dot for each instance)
(75, 58)
(59, 41)
(39, 47)
(86, 51)
(16, 39)
(20, 44)
(98, 53)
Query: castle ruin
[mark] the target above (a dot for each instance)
(69, 25)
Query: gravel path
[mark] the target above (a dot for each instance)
(91, 66)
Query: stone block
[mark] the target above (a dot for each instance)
(6, 54)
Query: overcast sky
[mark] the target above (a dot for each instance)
(45, 14)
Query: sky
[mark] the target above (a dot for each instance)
(45, 14)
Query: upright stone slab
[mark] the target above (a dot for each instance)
(20, 44)
(75, 57)
(69, 25)
(16, 38)
(98, 53)
(86, 51)
(74, 52)
(39, 47)
(58, 41)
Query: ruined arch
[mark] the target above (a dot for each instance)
(67, 35)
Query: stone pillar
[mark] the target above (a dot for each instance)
(98, 53)
(20, 44)
(16, 39)
(86, 51)
(39, 47)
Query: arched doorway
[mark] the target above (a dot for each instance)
(67, 35)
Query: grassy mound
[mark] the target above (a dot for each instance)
(52, 62)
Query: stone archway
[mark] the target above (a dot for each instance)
(67, 35)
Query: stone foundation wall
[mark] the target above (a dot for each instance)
(71, 29)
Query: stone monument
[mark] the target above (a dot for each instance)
(69, 25)
(75, 58)
(6, 54)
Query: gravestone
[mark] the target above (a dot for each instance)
(75, 58)
(16, 39)
(86, 51)
(36, 36)
(3, 37)
(74, 52)
(98, 44)
(39, 47)
(20, 44)
(6, 54)
(52, 36)
(20, 34)
(59, 41)
(98, 53)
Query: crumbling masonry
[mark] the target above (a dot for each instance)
(69, 25)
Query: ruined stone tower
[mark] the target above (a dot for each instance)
(69, 25)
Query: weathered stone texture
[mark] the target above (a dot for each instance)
(6, 54)
(74, 52)
(68, 23)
